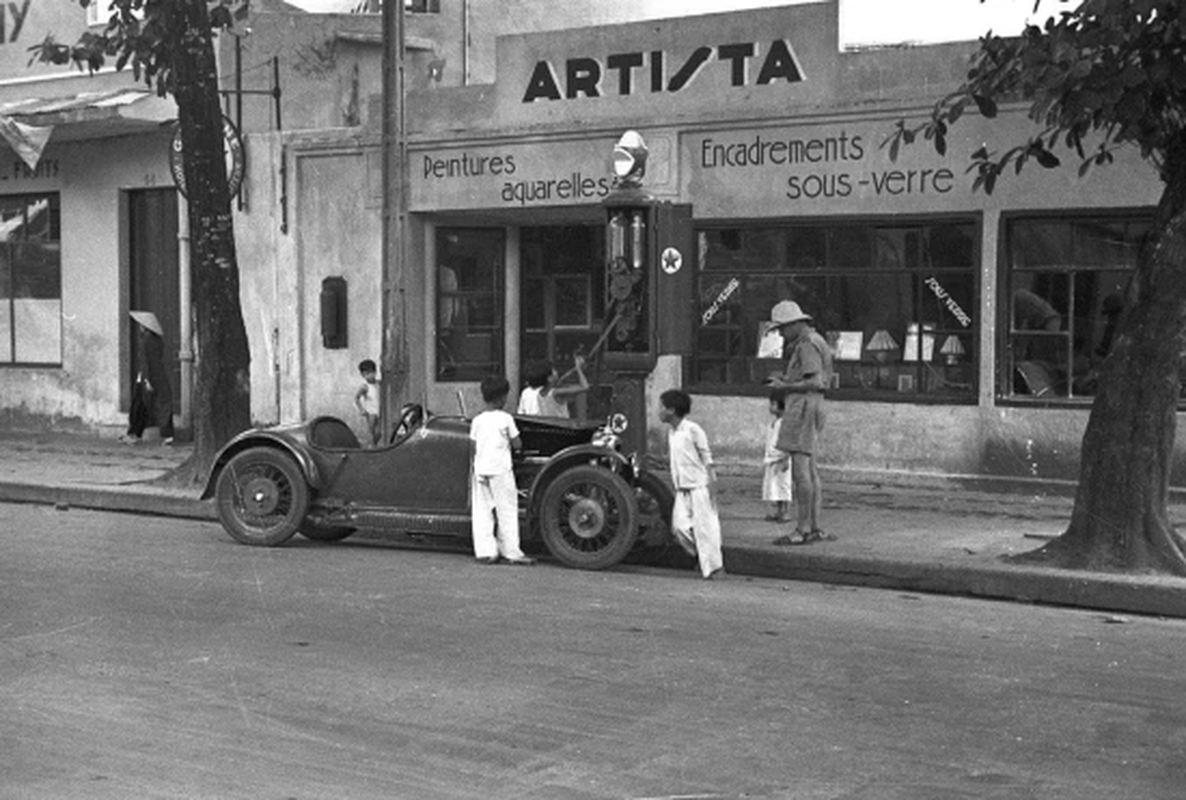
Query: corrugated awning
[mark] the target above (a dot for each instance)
(94, 115)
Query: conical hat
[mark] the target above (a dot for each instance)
(148, 320)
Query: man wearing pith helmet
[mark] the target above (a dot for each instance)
(808, 373)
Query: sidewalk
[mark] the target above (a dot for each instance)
(914, 533)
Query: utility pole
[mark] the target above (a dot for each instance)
(395, 150)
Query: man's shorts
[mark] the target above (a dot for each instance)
(802, 423)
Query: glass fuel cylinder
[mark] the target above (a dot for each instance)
(637, 240)
(617, 235)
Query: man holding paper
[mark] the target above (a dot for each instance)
(808, 373)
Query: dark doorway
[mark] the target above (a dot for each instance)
(153, 279)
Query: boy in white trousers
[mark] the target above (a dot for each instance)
(494, 494)
(694, 519)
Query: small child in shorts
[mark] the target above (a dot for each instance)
(776, 465)
(366, 400)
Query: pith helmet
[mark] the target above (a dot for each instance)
(786, 312)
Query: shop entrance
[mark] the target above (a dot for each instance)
(153, 280)
(563, 305)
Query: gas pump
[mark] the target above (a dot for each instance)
(645, 298)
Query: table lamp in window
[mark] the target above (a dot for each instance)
(952, 349)
(882, 346)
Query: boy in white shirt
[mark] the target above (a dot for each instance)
(694, 518)
(543, 397)
(366, 400)
(494, 494)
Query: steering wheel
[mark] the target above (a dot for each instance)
(410, 418)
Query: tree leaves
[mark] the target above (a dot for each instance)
(1113, 71)
(988, 108)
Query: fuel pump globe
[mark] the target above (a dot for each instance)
(630, 160)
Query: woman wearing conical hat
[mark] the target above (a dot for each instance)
(152, 395)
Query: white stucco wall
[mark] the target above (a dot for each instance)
(90, 177)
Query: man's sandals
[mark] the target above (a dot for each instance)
(800, 538)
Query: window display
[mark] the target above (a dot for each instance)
(1065, 287)
(888, 298)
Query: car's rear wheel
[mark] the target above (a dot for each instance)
(262, 497)
(589, 518)
(324, 533)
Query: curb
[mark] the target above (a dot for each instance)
(115, 499)
(1089, 590)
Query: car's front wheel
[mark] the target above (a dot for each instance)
(262, 497)
(588, 518)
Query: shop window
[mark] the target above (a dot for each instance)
(898, 303)
(562, 305)
(1065, 285)
(30, 280)
(470, 310)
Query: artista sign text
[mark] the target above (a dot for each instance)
(626, 74)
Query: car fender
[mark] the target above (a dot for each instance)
(263, 438)
(578, 454)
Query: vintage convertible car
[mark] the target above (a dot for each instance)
(591, 505)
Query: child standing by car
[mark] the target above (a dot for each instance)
(494, 494)
(776, 472)
(694, 519)
(366, 399)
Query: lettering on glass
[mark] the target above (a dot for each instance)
(657, 71)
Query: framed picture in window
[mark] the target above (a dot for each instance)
(848, 345)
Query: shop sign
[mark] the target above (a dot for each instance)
(232, 147)
(714, 65)
(46, 168)
(510, 176)
(815, 169)
(12, 19)
(23, 23)
(625, 74)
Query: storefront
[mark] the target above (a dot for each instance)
(90, 228)
(967, 328)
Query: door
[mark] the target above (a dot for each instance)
(563, 303)
(153, 280)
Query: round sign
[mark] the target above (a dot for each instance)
(671, 260)
(232, 148)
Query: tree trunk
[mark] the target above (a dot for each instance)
(222, 385)
(1120, 521)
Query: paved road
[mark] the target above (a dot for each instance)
(146, 658)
